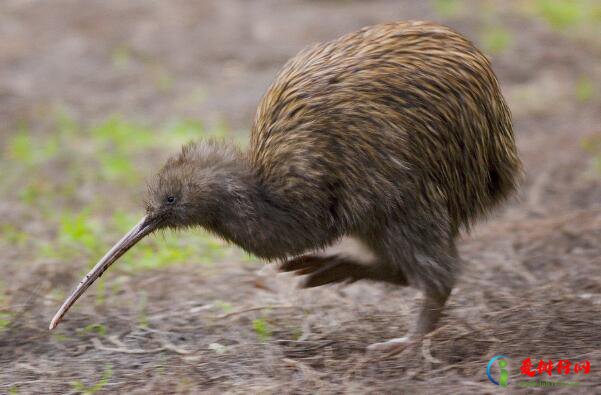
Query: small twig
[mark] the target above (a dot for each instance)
(99, 346)
(306, 331)
(228, 315)
(304, 368)
(426, 352)
(36, 381)
(286, 341)
(172, 347)
(320, 343)
(193, 358)
(31, 368)
(115, 340)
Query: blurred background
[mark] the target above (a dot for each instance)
(95, 95)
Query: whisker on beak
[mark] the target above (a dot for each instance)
(137, 233)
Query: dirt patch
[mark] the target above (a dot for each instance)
(531, 283)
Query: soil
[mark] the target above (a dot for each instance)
(531, 286)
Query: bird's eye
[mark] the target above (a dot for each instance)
(170, 199)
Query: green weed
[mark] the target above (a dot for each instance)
(562, 13)
(80, 230)
(5, 320)
(121, 57)
(24, 149)
(592, 145)
(182, 131)
(59, 337)
(448, 8)
(32, 192)
(2, 293)
(109, 150)
(121, 135)
(496, 39)
(262, 329)
(584, 89)
(20, 147)
(99, 329)
(168, 247)
(115, 166)
(123, 221)
(248, 258)
(66, 125)
(78, 235)
(225, 307)
(117, 141)
(583, 15)
(80, 387)
(13, 236)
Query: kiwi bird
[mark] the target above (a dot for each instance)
(396, 135)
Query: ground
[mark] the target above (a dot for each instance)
(94, 96)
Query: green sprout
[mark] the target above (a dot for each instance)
(584, 89)
(20, 147)
(448, 8)
(496, 39)
(592, 145)
(562, 14)
(262, 329)
(13, 236)
(5, 320)
(225, 307)
(121, 57)
(79, 387)
(99, 329)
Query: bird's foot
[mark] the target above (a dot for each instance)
(393, 346)
(321, 270)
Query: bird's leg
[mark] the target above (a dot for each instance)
(429, 263)
(429, 315)
(321, 270)
(431, 311)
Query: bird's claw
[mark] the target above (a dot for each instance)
(393, 346)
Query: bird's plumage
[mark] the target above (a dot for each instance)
(391, 113)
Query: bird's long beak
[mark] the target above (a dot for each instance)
(143, 228)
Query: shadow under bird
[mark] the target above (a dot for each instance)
(396, 135)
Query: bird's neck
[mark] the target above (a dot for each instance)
(260, 221)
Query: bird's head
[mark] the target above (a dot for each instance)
(187, 191)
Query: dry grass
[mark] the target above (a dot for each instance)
(201, 317)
